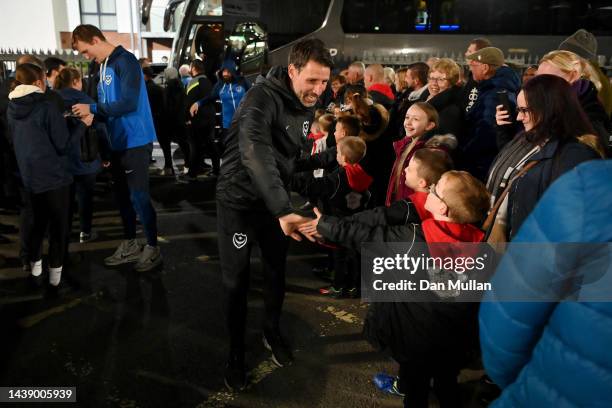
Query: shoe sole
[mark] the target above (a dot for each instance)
(150, 266)
(122, 261)
(274, 359)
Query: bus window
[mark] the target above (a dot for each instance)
(209, 8)
(527, 17)
(386, 16)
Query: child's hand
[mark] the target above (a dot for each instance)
(309, 229)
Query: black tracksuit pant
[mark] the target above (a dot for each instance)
(238, 231)
(49, 209)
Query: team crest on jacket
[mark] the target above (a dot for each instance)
(306, 128)
(239, 240)
(108, 79)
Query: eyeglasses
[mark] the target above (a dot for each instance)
(434, 79)
(523, 109)
(432, 190)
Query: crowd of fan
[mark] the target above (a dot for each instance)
(455, 145)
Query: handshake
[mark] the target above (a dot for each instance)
(293, 223)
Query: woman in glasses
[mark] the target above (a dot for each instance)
(557, 136)
(445, 96)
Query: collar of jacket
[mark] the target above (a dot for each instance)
(278, 80)
(23, 90)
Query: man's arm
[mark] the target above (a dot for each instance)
(129, 73)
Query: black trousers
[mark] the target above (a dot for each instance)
(414, 382)
(201, 142)
(238, 232)
(26, 226)
(346, 269)
(50, 209)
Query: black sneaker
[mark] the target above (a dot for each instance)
(235, 374)
(281, 354)
(353, 293)
(323, 273)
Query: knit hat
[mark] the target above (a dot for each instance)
(581, 43)
(488, 55)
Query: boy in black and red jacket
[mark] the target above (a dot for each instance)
(417, 333)
(340, 193)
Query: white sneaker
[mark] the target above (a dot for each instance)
(149, 259)
(128, 251)
(84, 237)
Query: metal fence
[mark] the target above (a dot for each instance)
(9, 57)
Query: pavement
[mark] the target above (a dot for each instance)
(158, 339)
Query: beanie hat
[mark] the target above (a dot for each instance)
(581, 43)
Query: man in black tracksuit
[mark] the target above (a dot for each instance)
(253, 206)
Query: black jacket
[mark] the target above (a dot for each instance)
(448, 105)
(199, 88)
(263, 142)
(342, 192)
(441, 333)
(41, 141)
(589, 100)
(555, 159)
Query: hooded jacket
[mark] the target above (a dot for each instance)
(123, 102)
(40, 138)
(230, 93)
(382, 94)
(263, 143)
(479, 146)
(75, 165)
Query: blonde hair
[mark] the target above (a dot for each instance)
(569, 62)
(449, 68)
(353, 148)
(389, 75)
(467, 197)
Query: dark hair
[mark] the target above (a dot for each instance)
(339, 78)
(86, 33)
(27, 74)
(30, 59)
(66, 77)
(351, 124)
(555, 110)
(432, 164)
(419, 70)
(481, 43)
(148, 72)
(351, 89)
(197, 65)
(53, 63)
(311, 49)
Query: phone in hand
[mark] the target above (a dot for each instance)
(503, 99)
(70, 114)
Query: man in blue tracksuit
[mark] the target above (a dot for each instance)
(123, 104)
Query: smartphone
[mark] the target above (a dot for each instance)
(70, 114)
(502, 96)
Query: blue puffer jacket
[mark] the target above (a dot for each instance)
(123, 102)
(75, 165)
(556, 354)
(41, 140)
(480, 145)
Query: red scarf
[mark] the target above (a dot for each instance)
(418, 198)
(451, 233)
